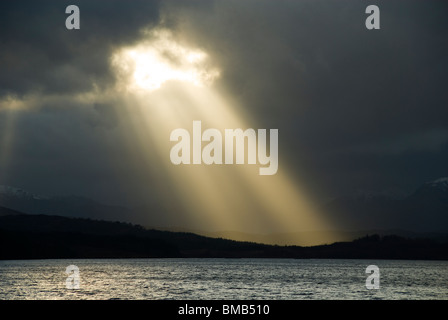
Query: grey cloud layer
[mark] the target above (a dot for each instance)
(39, 54)
(342, 97)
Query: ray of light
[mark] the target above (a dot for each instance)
(7, 135)
(166, 85)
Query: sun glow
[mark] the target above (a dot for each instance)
(160, 59)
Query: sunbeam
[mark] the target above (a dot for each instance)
(169, 86)
(7, 135)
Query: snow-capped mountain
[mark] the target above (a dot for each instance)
(8, 191)
(424, 210)
(68, 206)
(433, 192)
(441, 183)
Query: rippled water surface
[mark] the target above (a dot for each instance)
(223, 279)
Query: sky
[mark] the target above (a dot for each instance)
(356, 109)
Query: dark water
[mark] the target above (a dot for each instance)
(223, 279)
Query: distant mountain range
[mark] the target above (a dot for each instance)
(424, 213)
(67, 206)
(425, 210)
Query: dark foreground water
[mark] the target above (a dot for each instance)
(223, 279)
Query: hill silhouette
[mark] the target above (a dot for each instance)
(423, 212)
(51, 237)
(7, 212)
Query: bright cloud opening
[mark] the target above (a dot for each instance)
(153, 62)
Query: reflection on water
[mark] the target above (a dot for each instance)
(223, 279)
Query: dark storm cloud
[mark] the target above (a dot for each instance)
(79, 149)
(38, 53)
(61, 144)
(355, 108)
(348, 101)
